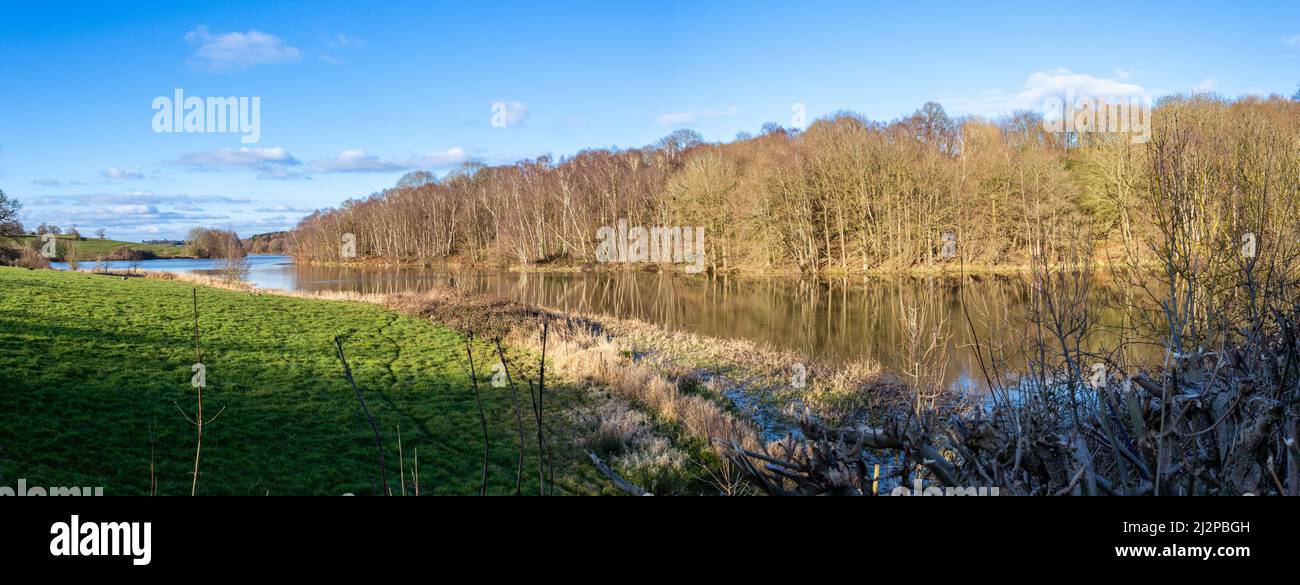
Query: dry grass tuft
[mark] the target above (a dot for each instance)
(584, 350)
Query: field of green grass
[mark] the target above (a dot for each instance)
(90, 249)
(94, 371)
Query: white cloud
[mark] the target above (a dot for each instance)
(144, 215)
(1038, 88)
(238, 50)
(689, 117)
(135, 209)
(359, 161)
(1291, 41)
(277, 163)
(355, 161)
(1206, 85)
(270, 163)
(118, 218)
(441, 160)
(114, 173)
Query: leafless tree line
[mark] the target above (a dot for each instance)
(846, 194)
(1212, 285)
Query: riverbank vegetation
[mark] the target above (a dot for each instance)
(1215, 414)
(270, 243)
(847, 194)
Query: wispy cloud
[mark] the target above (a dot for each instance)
(131, 198)
(135, 209)
(1292, 40)
(131, 218)
(278, 163)
(340, 40)
(441, 160)
(1038, 88)
(356, 161)
(238, 50)
(269, 163)
(55, 183)
(138, 214)
(116, 174)
(689, 117)
(281, 208)
(360, 161)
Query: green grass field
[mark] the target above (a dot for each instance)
(94, 368)
(92, 248)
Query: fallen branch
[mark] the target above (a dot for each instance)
(619, 482)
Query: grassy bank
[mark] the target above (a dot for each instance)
(95, 371)
(91, 249)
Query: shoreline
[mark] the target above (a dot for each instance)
(743, 377)
(950, 270)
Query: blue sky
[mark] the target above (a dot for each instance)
(353, 94)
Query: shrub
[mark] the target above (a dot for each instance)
(22, 258)
(127, 253)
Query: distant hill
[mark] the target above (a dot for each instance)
(91, 249)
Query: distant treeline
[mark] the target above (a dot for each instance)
(129, 253)
(846, 194)
(214, 243)
(267, 243)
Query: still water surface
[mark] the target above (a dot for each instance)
(838, 319)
